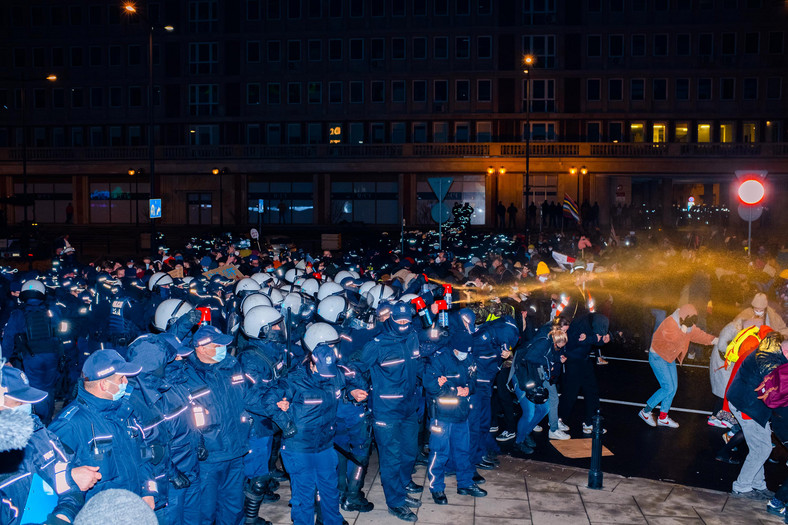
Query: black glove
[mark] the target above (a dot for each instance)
(180, 481)
(156, 453)
(289, 430)
(202, 453)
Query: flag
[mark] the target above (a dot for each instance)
(563, 260)
(571, 210)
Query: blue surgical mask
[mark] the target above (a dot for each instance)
(121, 391)
(462, 356)
(25, 408)
(221, 353)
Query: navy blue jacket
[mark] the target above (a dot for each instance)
(540, 353)
(488, 343)
(16, 325)
(263, 363)
(445, 404)
(105, 433)
(589, 325)
(394, 365)
(45, 456)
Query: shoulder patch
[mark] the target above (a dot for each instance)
(68, 413)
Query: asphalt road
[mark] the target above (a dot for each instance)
(684, 455)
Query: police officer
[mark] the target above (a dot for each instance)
(167, 416)
(304, 405)
(225, 424)
(31, 337)
(101, 430)
(43, 455)
(393, 362)
(450, 380)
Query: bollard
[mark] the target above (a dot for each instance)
(595, 472)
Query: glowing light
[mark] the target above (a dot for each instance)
(751, 192)
(130, 8)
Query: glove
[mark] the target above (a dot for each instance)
(289, 430)
(156, 453)
(180, 481)
(202, 453)
(54, 520)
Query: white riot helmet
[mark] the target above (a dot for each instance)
(264, 279)
(255, 299)
(365, 287)
(159, 279)
(289, 288)
(261, 322)
(407, 298)
(293, 302)
(328, 289)
(342, 275)
(333, 309)
(310, 287)
(292, 274)
(247, 285)
(169, 311)
(273, 294)
(319, 333)
(378, 293)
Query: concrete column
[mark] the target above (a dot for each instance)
(601, 194)
(667, 201)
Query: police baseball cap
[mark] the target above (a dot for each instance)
(208, 334)
(105, 363)
(401, 311)
(14, 384)
(324, 358)
(176, 345)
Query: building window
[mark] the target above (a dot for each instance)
(593, 46)
(441, 47)
(357, 49)
(462, 47)
(335, 49)
(335, 92)
(660, 87)
(659, 132)
(94, 56)
(274, 50)
(727, 132)
(462, 132)
(484, 131)
(752, 43)
(356, 8)
(397, 7)
(463, 91)
(683, 46)
(203, 99)
(637, 132)
(293, 50)
(615, 89)
(543, 47)
(542, 97)
(727, 88)
(776, 39)
(637, 89)
(419, 132)
(397, 132)
(77, 98)
(203, 16)
(419, 91)
(253, 94)
(419, 7)
(253, 52)
(116, 202)
(749, 132)
(38, 57)
(198, 208)
(377, 91)
(294, 92)
(441, 91)
(615, 131)
(638, 45)
(682, 88)
(398, 91)
(484, 90)
(335, 8)
(294, 133)
(750, 89)
(135, 96)
(252, 10)
(660, 45)
(441, 7)
(59, 97)
(593, 131)
(356, 92)
(314, 50)
(202, 57)
(484, 47)
(273, 93)
(366, 202)
(314, 92)
(284, 202)
(440, 132)
(774, 88)
(728, 44)
(704, 89)
(463, 7)
(593, 89)
(293, 9)
(115, 97)
(135, 55)
(537, 12)
(706, 44)
(377, 49)
(681, 132)
(398, 48)
(616, 46)
(465, 189)
(273, 134)
(273, 10)
(96, 97)
(58, 57)
(541, 131)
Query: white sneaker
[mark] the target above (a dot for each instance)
(494, 429)
(562, 426)
(667, 422)
(589, 429)
(506, 436)
(538, 428)
(558, 434)
(647, 417)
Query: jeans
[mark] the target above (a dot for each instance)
(552, 402)
(668, 382)
(759, 441)
(532, 414)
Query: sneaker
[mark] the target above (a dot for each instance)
(647, 417)
(601, 360)
(775, 507)
(719, 423)
(726, 424)
(538, 428)
(558, 434)
(562, 426)
(506, 436)
(667, 422)
(754, 495)
(589, 429)
(494, 429)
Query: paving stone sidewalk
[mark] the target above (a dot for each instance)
(523, 491)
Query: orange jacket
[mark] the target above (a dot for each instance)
(670, 343)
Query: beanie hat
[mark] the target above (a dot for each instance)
(542, 269)
(118, 506)
(759, 301)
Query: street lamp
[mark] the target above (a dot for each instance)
(23, 102)
(132, 173)
(220, 173)
(574, 171)
(131, 10)
(528, 63)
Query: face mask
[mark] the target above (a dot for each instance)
(221, 353)
(759, 313)
(25, 408)
(461, 355)
(121, 390)
(543, 278)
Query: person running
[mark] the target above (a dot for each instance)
(669, 344)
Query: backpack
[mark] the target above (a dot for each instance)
(732, 351)
(773, 390)
(38, 331)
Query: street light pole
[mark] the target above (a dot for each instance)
(528, 61)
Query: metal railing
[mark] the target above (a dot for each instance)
(378, 151)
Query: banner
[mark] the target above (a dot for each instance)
(571, 210)
(230, 271)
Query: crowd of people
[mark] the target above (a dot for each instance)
(187, 386)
